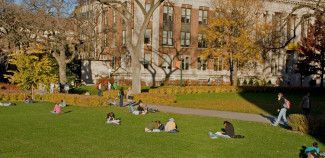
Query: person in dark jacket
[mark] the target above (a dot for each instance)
(229, 132)
(121, 95)
(282, 111)
(305, 104)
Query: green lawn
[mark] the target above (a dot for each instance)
(29, 130)
(259, 103)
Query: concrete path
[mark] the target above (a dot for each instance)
(213, 113)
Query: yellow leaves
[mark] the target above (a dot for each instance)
(31, 70)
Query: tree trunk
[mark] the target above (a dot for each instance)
(136, 73)
(322, 72)
(62, 72)
(32, 91)
(234, 72)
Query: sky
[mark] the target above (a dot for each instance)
(18, 2)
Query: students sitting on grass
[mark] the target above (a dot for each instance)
(7, 104)
(111, 119)
(171, 126)
(229, 132)
(28, 100)
(57, 109)
(153, 126)
(141, 110)
(62, 103)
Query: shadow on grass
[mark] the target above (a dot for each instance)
(302, 151)
(66, 112)
(266, 99)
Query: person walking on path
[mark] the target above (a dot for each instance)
(121, 95)
(282, 111)
(130, 98)
(305, 104)
(99, 87)
(109, 86)
(115, 85)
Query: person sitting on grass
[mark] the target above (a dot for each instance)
(313, 152)
(57, 109)
(171, 126)
(111, 119)
(141, 110)
(7, 104)
(229, 132)
(62, 103)
(153, 126)
(28, 100)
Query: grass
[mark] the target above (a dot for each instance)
(29, 130)
(259, 103)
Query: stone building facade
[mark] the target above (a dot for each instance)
(173, 35)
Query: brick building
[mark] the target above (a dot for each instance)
(173, 35)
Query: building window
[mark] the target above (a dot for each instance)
(105, 19)
(147, 37)
(168, 38)
(125, 61)
(201, 64)
(202, 41)
(185, 62)
(218, 64)
(113, 62)
(167, 61)
(147, 60)
(203, 16)
(124, 38)
(105, 39)
(114, 41)
(168, 14)
(185, 39)
(186, 15)
(114, 17)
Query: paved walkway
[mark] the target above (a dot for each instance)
(213, 113)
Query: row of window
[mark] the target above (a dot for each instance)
(167, 61)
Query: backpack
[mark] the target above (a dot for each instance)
(119, 94)
(286, 103)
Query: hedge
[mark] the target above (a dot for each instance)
(93, 100)
(193, 89)
(314, 125)
(71, 99)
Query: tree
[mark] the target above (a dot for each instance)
(55, 30)
(45, 23)
(312, 49)
(134, 44)
(236, 32)
(32, 71)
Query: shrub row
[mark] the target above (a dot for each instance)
(194, 83)
(71, 99)
(194, 89)
(314, 125)
(264, 89)
(9, 87)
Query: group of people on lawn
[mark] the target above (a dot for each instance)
(170, 125)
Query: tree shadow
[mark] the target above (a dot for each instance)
(302, 151)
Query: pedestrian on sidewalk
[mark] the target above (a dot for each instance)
(282, 111)
(305, 104)
(121, 95)
(99, 87)
(130, 99)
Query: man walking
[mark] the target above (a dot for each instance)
(305, 104)
(282, 111)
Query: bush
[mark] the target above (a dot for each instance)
(257, 83)
(194, 89)
(314, 125)
(251, 82)
(9, 87)
(269, 83)
(238, 82)
(245, 82)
